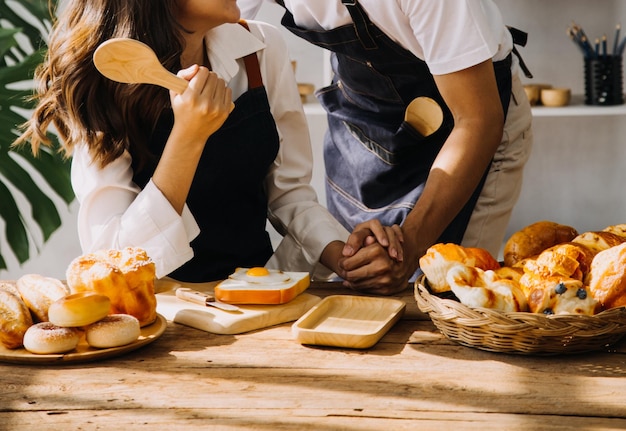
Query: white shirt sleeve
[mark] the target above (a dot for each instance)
(115, 213)
(249, 8)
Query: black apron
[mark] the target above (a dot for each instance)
(376, 163)
(228, 197)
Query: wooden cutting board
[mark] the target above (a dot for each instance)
(211, 319)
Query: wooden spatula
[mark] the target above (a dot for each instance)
(133, 62)
(424, 115)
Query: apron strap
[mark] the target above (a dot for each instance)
(520, 38)
(253, 70)
(361, 21)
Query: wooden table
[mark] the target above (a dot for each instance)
(413, 379)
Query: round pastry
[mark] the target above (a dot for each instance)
(125, 276)
(562, 296)
(15, 319)
(477, 288)
(618, 229)
(113, 331)
(439, 258)
(534, 238)
(569, 260)
(38, 292)
(599, 241)
(47, 338)
(509, 273)
(79, 309)
(607, 277)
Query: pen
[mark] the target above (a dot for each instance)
(618, 29)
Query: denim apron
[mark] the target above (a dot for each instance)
(228, 197)
(376, 163)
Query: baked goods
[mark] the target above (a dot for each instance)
(534, 238)
(79, 309)
(47, 338)
(38, 292)
(112, 331)
(261, 286)
(439, 258)
(618, 229)
(15, 318)
(477, 288)
(568, 260)
(607, 277)
(126, 276)
(598, 241)
(562, 296)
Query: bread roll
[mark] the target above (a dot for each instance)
(607, 277)
(562, 296)
(477, 288)
(15, 318)
(618, 229)
(38, 292)
(569, 260)
(439, 258)
(598, 241)
(125, 276)
(534, 238)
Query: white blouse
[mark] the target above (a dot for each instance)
(115, 212)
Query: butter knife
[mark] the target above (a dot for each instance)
(190, 295)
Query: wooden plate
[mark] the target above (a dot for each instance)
(83, 352)
(348, 321)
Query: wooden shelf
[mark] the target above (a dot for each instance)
(577, 108)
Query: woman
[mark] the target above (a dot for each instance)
(180, 175)
(458, 184)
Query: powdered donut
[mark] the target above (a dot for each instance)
(113, 331)
(79, 309)
(46, 338)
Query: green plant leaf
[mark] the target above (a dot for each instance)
(20, 171)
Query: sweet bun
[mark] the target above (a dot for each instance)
(509, 273)
(113, 331)
(607, 277)
(15, 318)
(79, 309)
(38, 292)
(259, 285)
(598, 241)
(439, 258)
(47, 338)
(618, 229)
(534, 238)
(569, 260)
(477, 288)
(562, 296)
(125, 276)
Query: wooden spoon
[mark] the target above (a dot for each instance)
(133, 62)
(424, 115)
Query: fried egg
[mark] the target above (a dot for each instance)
(259, 275)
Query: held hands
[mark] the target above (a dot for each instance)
(206, 103)
(374, 259)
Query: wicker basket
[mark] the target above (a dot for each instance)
(521, 332)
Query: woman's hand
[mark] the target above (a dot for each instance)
(366, 233)
(205, 105)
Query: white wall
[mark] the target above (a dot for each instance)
(576, 172)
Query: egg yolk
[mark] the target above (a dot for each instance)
(258, 272)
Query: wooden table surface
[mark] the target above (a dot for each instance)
(412, 379)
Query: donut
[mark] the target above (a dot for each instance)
(15, 318)
(113, 331)
(79, 309)
(46, 338)
(38, 292)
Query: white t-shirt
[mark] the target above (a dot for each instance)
(449, 35)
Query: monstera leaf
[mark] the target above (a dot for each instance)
(27, 182)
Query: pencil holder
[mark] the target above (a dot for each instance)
(603, 80)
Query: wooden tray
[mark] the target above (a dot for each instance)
(83, 352)
(348, 321)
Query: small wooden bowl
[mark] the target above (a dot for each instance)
(533, 92)
(555, 96)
